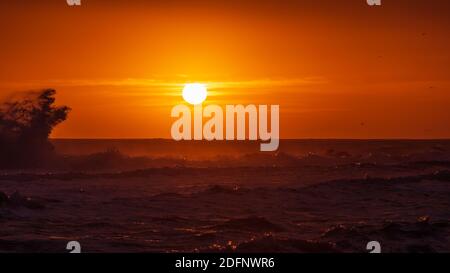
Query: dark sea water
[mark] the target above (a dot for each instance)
(165, 196)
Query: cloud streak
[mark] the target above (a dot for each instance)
(167, 85)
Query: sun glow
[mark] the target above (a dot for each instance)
(195, 93)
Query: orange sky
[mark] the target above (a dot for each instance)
(338, 69)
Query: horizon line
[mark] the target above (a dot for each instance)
(281, 139)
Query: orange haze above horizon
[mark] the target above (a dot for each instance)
(337, 70)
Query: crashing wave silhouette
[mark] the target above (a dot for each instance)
(25, 126)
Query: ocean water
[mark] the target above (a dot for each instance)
(165, 196)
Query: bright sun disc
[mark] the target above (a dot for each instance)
(195, 93)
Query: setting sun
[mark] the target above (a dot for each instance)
(195, 93)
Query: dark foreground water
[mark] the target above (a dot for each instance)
(312, 196)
